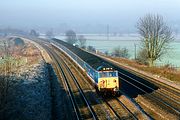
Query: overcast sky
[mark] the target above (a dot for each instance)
(121, 15)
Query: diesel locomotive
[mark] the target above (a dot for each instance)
(105, 79)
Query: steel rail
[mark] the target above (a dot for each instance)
(148, 87)
(69, 91)
(108, 105)
(177, 111)
(81, 91)
(124, 106)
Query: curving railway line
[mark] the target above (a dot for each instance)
(112, 107)
(81, 100)
(112, 110)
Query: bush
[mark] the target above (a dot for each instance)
(142, 57)
(121, 52)
(91, 49)
(19, 42)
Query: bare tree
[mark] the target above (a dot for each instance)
(106, 53)
(91, 49)
(82, 41)
(155, 36)
(33, 33)
(49, 34)
(71, 37)
(121, 52)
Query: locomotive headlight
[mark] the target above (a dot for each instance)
(115, 89)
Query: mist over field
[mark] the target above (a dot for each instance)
(85, 16)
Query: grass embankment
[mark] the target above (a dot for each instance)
(24, 82)
(167, 71)
(18, 54)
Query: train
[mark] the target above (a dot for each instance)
(103, 76)
(105, 79)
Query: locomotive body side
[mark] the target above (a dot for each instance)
(92, 73)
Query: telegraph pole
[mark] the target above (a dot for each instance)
(107, 31)
(135, 51)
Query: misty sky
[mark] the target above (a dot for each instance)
(84, 15)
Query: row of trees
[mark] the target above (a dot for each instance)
(48, 34)
(71, 37)
(80, 40)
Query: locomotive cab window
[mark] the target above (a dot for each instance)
(112, 74)
(103, 74)
(107, 74)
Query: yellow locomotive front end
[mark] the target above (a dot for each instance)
(108, 81)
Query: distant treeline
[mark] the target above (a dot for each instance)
(12, 31)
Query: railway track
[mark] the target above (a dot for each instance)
(102, 111)
(120, 109)
(171, 105)
(117, 108)
(166, 98)
(162, 89)
(82, 108)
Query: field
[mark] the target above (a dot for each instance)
(101, 43)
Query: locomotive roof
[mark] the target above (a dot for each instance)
(104, 67)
